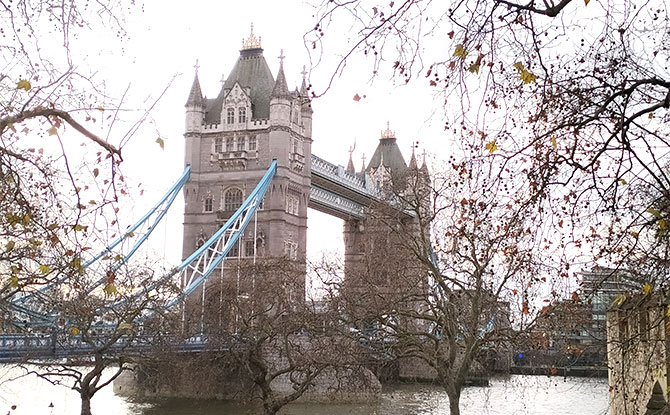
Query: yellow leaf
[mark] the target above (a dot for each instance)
(622, 181)
(586, 2)
(45, 269)
(52, 131)
(668, 312)
(554, 144)
(125, 326)
(527, 77)
(662, 225)
(23, 84)
(634, 234)
(9, 246)
(161, 143)
(14, 281)
(646, 288)
(518, 66)
(655, 212)
(130, 234)
(619, 300)
(460, 52)
(110, 289)
(100, 108)
(474, 68)
(491, 146)
(74, 331)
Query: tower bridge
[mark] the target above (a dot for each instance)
(249, 179)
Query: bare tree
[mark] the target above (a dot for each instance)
(284, 346)
(448, 274)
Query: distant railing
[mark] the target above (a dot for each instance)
(335, 202)
(339, 175)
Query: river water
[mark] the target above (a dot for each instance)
(536, 395)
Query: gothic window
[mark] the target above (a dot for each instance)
(234, 251)
(295, 145)
(230, 116)
(232, 199)
(242, 114)
(291, 249)
(218, 145)
(292, 205)
(252, 143)
(240, 144)
(209, 204)
(230, 144)
(249, 247)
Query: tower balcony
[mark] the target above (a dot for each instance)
(233, 160)
(297, 162)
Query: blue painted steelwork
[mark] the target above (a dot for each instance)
(195, 269)
(161, 208)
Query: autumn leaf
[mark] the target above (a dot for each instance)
(554, 144)
(662, 225)
(14, 281)
(586, 2)
(125, 326)
(474, 68)
(161, 143)
(110, 289)
(619, 300)
(646, 288)
(622, 181)
(491, 146)
(9, 246)
(460, 52)
(655, 212)
(45, 269)
(634, 234)
(96, 172)
(52, 131)
(75, 331)
(23, 84)
(525, 308)
(527, 77)
(357, 97)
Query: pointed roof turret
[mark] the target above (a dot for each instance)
(412, 161)
(363, 167)
(388, 154)
(280, 89)
(424, 166)
(350, 165)
(195, 96)
(303, 88)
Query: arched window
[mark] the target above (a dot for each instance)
(230, 116)
(209, 204)
(242, 114)
(232, 200)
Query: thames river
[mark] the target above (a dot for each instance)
(538, 395)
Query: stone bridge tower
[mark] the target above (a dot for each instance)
(231, 140)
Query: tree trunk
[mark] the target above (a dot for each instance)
(85, 404)
(454, 395)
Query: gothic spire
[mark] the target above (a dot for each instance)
(303, 88)
(195, 96)
(350, 165)
(363, 168)
(424, 166)
(412, 161)
(280, 89)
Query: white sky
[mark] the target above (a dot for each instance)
(167, 38)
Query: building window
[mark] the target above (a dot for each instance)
(209, 204)
(291, 250)
(242, 114)
(295, 145)
(292, 205)
(252, 143)
(230, 144)
(249, 247)
(240, 144)
(218, 145)
(230, 116)
(234, 251)
(232, 200)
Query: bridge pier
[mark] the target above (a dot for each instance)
(211, 375)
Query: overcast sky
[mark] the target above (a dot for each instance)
(167, 37)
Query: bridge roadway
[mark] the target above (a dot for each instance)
(22, 347)
(337, 192)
